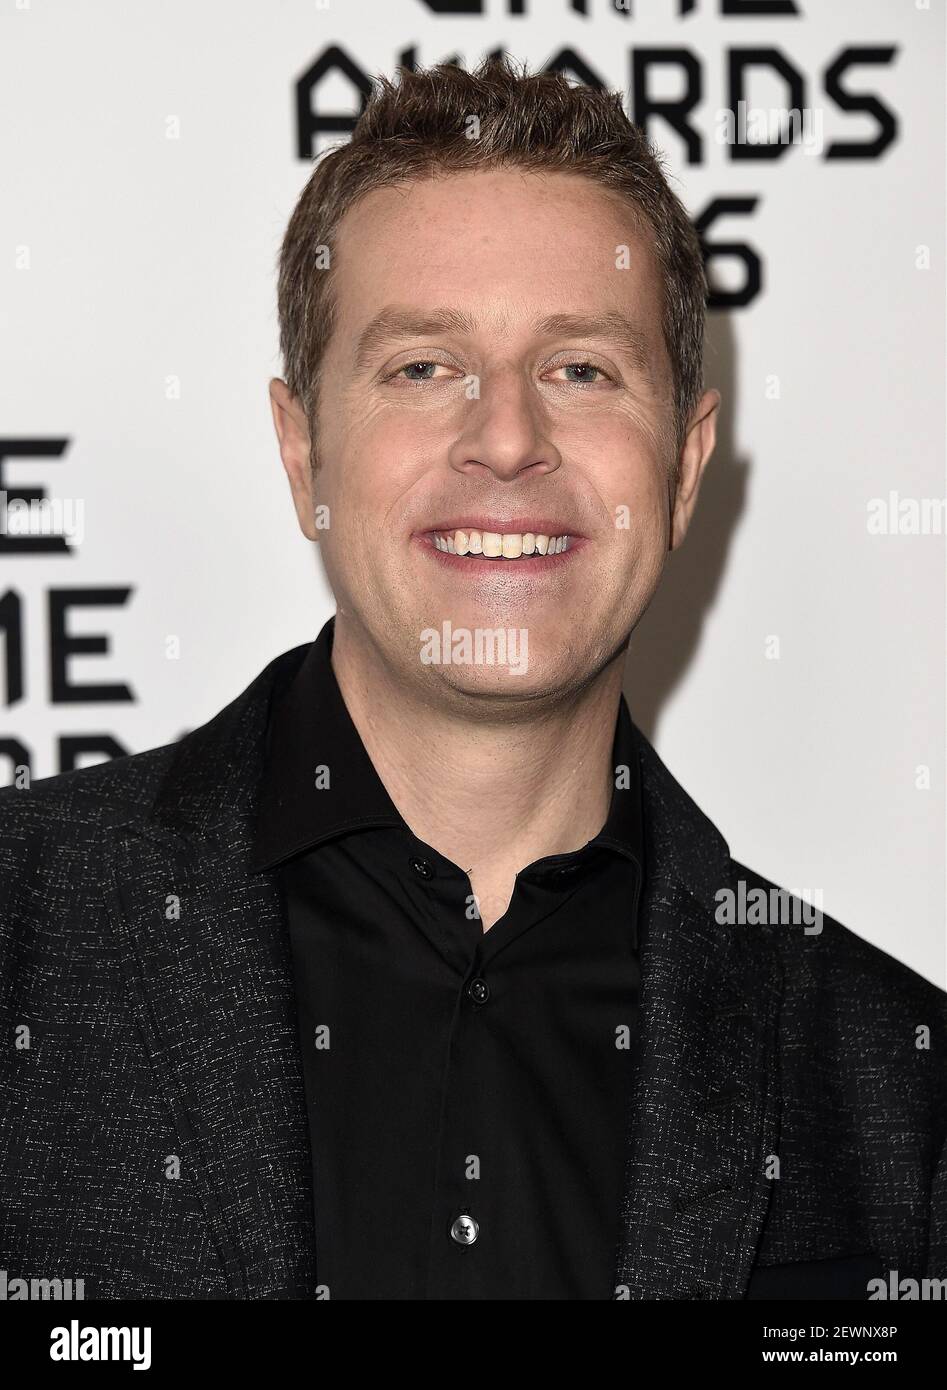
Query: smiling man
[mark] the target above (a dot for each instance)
(415, 974)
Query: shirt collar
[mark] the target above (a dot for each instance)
(319, 782)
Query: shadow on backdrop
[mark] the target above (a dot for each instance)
(666, 639)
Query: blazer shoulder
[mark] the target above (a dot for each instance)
(184, 778)
(72, 803)
(819, 952)
(54, 846)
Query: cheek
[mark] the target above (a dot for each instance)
(368, 474)
(629, 473)
(354, 473)
(631, 481)
(649, 533)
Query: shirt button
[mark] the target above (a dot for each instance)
(478, 990)
(464, 1230)
(422, 868)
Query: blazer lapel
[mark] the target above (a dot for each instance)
(207, 968)
(705, 1112)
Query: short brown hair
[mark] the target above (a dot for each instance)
(417, 126)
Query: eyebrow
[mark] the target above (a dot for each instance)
(391, 324)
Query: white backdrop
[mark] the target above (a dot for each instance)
(791, 669)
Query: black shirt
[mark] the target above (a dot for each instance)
(467, 1091)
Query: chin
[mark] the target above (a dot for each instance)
(501, 685)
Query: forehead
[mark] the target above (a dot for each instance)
(503, 244)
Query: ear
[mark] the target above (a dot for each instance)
(695, 454)
(292, 431)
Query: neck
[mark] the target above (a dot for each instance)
(491, 794)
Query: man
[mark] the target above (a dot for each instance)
(414, 974)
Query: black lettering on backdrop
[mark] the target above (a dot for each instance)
(743, 9)
(674, 112)
(11, 620)
(70, 748)
(309, 124)
(62, 645)
(753, 283)
(738, 62)
(23, 492)
(758, 9)
(848, 101)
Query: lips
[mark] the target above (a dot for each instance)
(479, 545)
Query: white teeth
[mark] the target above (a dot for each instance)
(508, 546)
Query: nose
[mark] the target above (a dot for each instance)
(505, 431)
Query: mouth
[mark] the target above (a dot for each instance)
(527, 546)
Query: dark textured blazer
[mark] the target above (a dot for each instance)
(150, 974)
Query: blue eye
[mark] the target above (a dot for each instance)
(420, 367)
(585, 367)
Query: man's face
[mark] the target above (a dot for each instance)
(497, 368)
